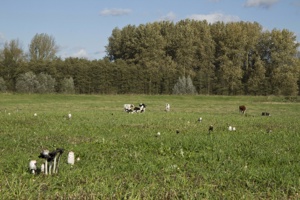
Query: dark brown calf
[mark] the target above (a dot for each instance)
(265, 114)
(242, 109)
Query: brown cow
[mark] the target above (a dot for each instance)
(242, 109)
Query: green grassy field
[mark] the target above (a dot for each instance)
(121, 156)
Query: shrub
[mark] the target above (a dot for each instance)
(27, 83)
(46, 83)
(67, 86)
(184, 86)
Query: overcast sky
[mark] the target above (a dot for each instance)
(81, 27)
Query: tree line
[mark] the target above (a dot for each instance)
(237, 58)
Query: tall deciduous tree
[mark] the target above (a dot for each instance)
(11, 58)
(204, 61)
(256, 77)
(279, 49)
(42, 47)
(285, 80)
(122, 44)
(150, 53)
(183, 40)
(251, 61)
(229, 57)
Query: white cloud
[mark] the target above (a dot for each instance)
(169, 17)
(74, 53)
(81, 54)
(215, 17)
(260, 3)
(115, 12)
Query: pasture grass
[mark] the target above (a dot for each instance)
(122, 157)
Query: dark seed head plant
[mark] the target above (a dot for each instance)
(120, 155)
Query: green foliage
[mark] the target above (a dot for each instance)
(42, 47)
(27, 83)
(46, 83)
(121, 156)
(30, 83)
(184, 86)
(67, 86)
(237, 58)
(2, 85)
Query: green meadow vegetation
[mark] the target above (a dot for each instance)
(122, 157)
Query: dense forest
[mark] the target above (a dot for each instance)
(237, 58)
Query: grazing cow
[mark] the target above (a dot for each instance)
(265, 114)
(242, 109)
(167, 107)
(128, 107)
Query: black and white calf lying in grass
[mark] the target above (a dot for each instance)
(128, 107)
(140, 109)
(131, 109)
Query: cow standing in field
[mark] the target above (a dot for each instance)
(242, 109)
(167, 107)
